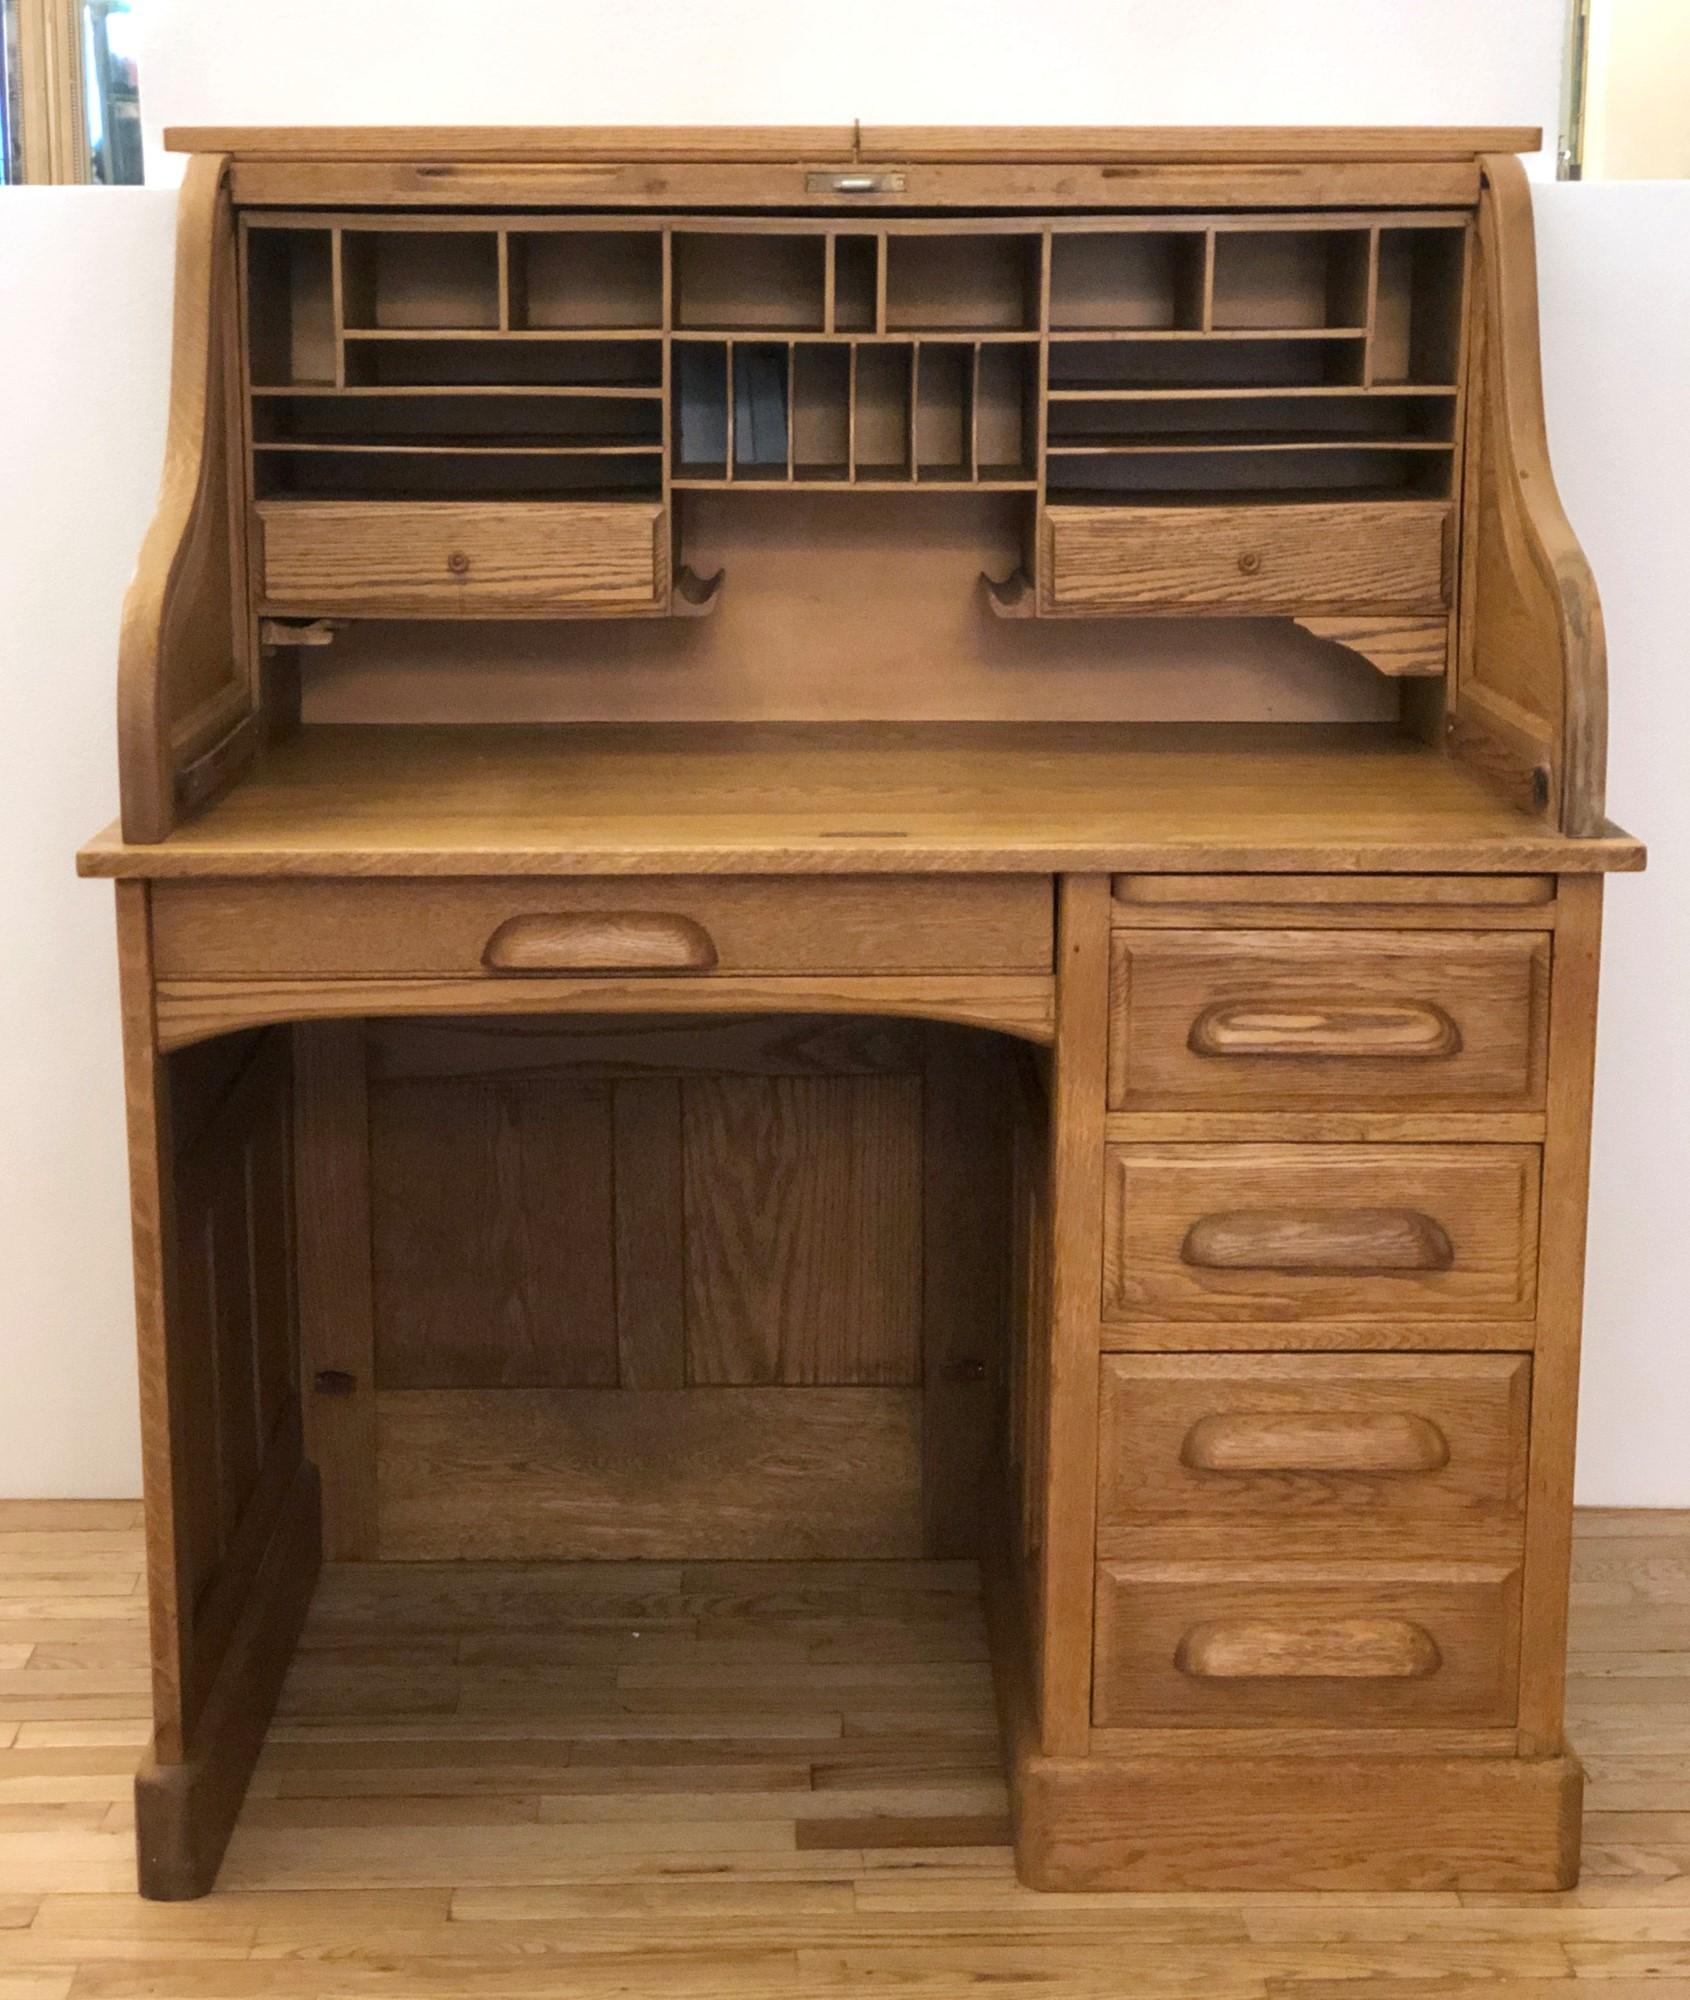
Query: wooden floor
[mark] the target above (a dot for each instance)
(715, 1780)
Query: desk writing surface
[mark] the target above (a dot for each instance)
(897, 798)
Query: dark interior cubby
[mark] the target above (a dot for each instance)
(1006, 399)
(762, 409)
(1168, 478)
(290, 306)
(1290, 278)
(760, 282)
(882, 404)
(978, 282)
(821, 411)
(585, 278)
(352, 474)
(1417, 317)
(701, 409)
(424, 278)
(1246, 419)
(625, 366)
(1127, 279)
(1304, 362)
(465, 422)
(856, 284)
(944, 411)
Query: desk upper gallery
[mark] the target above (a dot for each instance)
(871, 843)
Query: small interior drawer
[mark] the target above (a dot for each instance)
(1366, 1644)
(663, 925)
(450, 557)
(1333, 1455)
(1328, 1020)
(1320, 557)
(1320, 1232)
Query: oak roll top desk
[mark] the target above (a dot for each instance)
(879, 842)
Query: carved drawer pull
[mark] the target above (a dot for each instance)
(1315, 1441)
(1413, 1028)
(1318, 1240)
(614, 941)
(1309, 1649)
(1338, 1649)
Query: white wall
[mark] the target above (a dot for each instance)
(82, 389)
(1615, 277)
(84, 346)
(916, 62)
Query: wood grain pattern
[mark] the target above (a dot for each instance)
(1226, 143)
(459, 558)
(1400, 648)
(1276, 1456)
(184, 679)
(1285, 558)
(834, 800)
(404, 929)
(336, 1286)
(1533, 654)
(650, 1223)
(193, 1010)
(803, 1230)
(1210, 1645)
(1240, 1019)
(492, 1235)
(666, 1474)
(1482, 1200)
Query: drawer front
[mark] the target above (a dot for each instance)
(1313, 1232)
(675, 925)
(1335, 1455)
(1384, 556)
(1366, 1644)
(1328, 1020)
(452, 557)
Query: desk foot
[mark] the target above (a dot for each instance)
(1209, 1820)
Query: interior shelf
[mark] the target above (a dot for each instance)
(1225, 355)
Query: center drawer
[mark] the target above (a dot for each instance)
(1328, 1020)
(674, 925)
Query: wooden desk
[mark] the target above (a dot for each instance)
(665, 1018)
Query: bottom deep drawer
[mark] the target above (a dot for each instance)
(1361, 1643)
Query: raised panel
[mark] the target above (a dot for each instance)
(1308, 1020)
(676, 1474)
(803, 1229)
(1328, 1455)
(1310, 1232)
(492, 1236)
(1365, 1644)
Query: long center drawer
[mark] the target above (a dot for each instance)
(672, 925)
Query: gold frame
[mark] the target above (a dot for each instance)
(53, 144)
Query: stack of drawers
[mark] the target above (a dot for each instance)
(1321, 1197)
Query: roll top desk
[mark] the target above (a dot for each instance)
(874, 843)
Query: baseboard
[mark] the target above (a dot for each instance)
(185, 1812)
(1208, 1820)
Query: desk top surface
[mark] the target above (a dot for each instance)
(779, 798)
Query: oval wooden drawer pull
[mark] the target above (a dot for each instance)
(1346, 1649)
(610, 941)
(1315, 1441)
(1318, 1240)
(1411, 1028)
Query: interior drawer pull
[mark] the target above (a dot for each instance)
(1347, 1649)
(607, 941)
(1314, 1241)
(1315, 1441)
(1412, 1028)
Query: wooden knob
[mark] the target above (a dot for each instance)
(1249, 562)
(458, 563)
